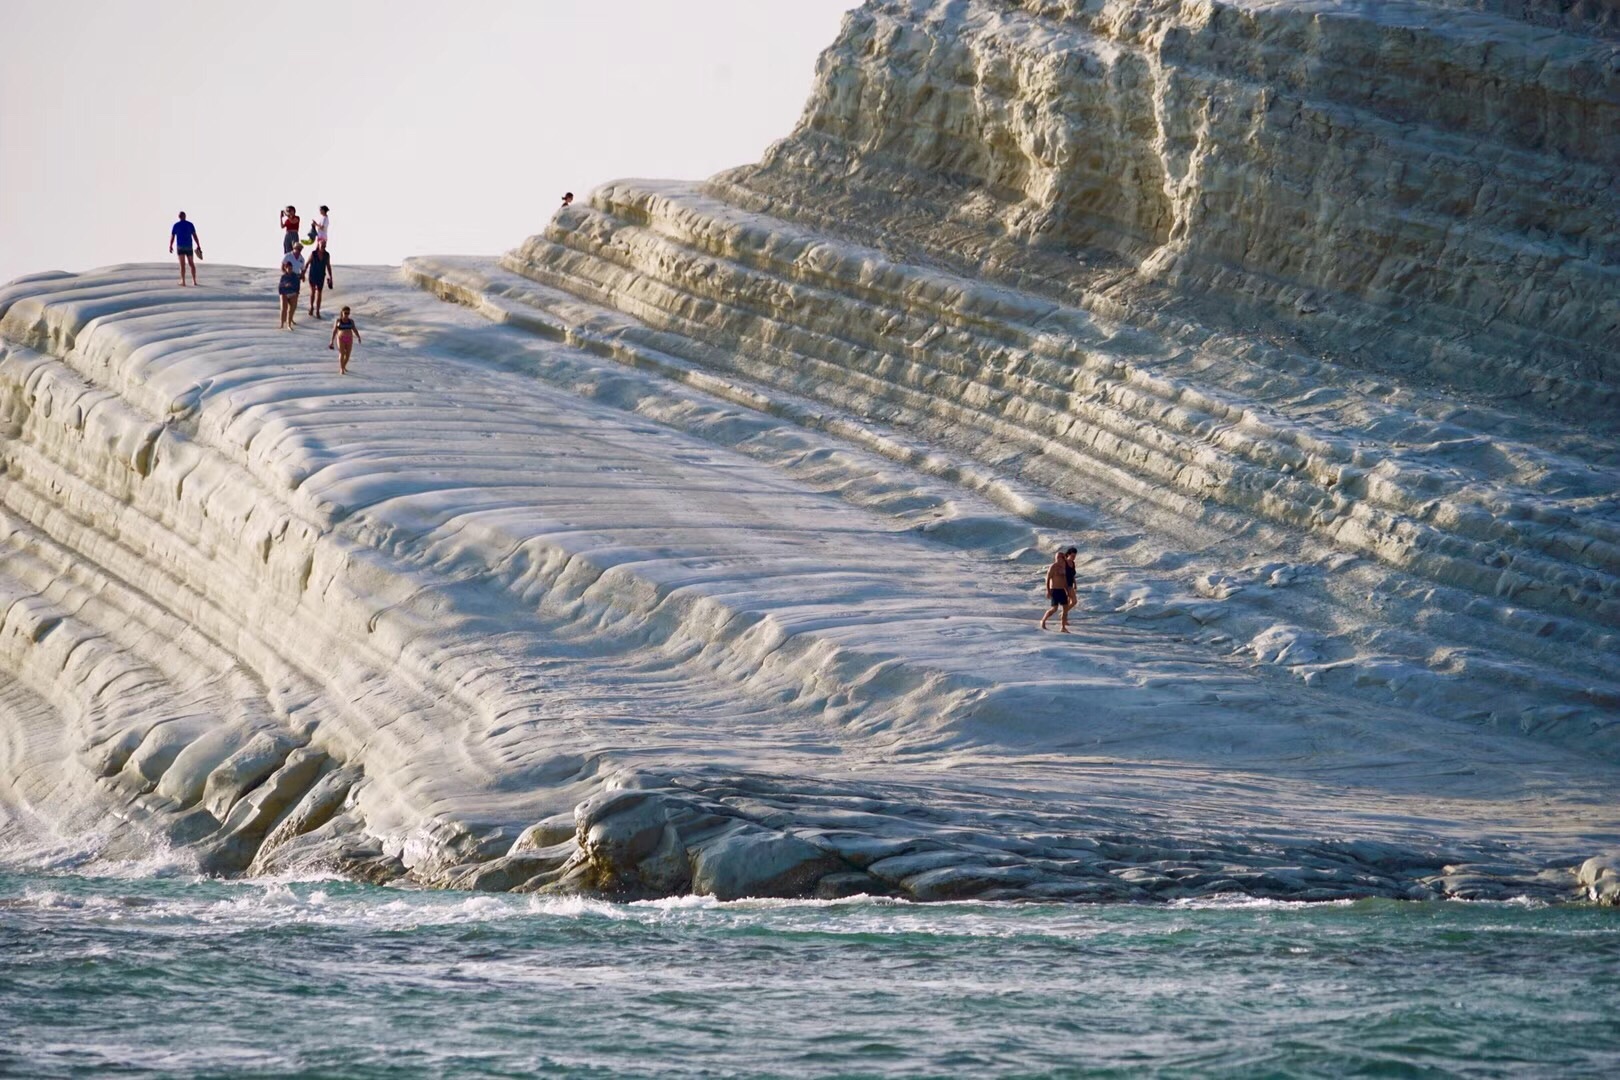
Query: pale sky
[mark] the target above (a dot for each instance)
(429, 127)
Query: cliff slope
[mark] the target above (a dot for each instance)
(1428, 187)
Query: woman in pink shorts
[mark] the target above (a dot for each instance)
(344, 336)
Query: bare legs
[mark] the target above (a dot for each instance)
(187, 260)
(289, 308)
(315, 301)
(1063, 623)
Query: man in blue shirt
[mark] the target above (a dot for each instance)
(184, 234)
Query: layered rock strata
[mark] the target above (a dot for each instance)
(696, 547)
(502, 611)
(1427, 188)
(1447, 508)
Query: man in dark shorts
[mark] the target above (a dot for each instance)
(183, 241)
(1060, 587)
(319, 273)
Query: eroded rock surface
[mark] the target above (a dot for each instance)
(1424, 186)
(696, 546)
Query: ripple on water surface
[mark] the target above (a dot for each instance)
(180, 976)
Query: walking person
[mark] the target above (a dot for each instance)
(183, 240)
(319, 227)
(1060, 589)
(292, 276)
(289, 229)
(319, 272)
(344, 336)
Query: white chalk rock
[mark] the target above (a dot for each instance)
(701, 535)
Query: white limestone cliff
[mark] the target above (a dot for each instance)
(696, 546)
(1413, 184)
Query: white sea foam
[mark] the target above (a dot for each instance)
(37, 849)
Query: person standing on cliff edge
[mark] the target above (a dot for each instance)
(184, 234)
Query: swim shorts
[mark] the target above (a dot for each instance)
(1059, 597)
(183, 252)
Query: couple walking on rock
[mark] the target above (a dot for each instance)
(1060, 587)
(318, 229)
(294, 269)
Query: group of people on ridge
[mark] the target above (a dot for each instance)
(294, 267)
(184, 242)
(317, 269)
(1060, 576)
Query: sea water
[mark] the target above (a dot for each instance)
(163, 973)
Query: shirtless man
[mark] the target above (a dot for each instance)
(1060, 587)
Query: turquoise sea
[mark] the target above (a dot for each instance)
(167, 974)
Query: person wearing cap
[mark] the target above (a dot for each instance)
(1060, 587)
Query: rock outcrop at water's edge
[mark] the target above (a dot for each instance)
(694, 545)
